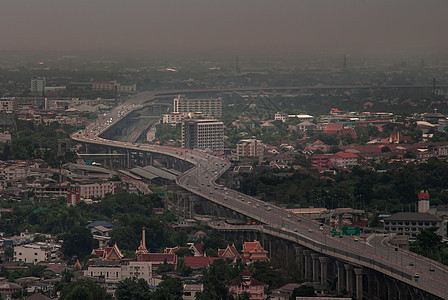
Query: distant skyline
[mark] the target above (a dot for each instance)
(232, 26)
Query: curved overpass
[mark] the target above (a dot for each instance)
(374, 254)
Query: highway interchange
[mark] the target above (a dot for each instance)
(372, 251)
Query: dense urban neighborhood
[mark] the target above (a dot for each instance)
(79, 218)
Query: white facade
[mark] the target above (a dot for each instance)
(112, 272)
(116, 271)
(13, 173)
(38, 86)
(172, 118)
(281, 116)
(138, 269)
(7, 105)
(250, 148)
(204, 134)
(37, 252)
(208, 106)
(97, 189)
(411, 223)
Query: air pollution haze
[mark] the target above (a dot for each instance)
(216, 26)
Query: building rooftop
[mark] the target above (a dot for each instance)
(412, 216)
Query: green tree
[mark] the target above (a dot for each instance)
(78, 241)
(9, 252)
(132, 289)
(169, 289)
(427, 243)
(302, 291)
(184, 252)
(84, 289)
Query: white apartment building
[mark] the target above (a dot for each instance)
(38, 86)
(411, 223)
(37, 252)
(172, 118)
(208, 106)
(250, 148)
(281, 116)
(204, 134)
(96, 189)
(7, 105)
(110, 270)
(13, 173)
(114, 271)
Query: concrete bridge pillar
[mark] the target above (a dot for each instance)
(403, 291)
(341, 276)
(359, 292)
(349, 278)
(372, 288)
(323, 270)
(307, 254)
(315, 258)
(391, 289)
(300, 262)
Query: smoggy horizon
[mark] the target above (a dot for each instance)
(258, 27)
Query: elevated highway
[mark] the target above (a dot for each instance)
(374, 254)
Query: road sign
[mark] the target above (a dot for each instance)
(351, 230)
(334, 232)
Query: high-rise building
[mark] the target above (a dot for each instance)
(211, 107)
(38, 86)
(204, 134)
(250, 148)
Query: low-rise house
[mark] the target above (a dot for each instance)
(8, 289)
(247, 284)
(190, 290)
(284, 292)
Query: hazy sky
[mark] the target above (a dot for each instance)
(274, 26)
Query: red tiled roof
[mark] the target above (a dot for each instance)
(158, 257)
(198, 262)
(342, 154)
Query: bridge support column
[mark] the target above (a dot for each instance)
(372, 288)
(323, 271)
(341, 276)
(307, 254)
(402, 289)
(349, 278)
(315, 258)
(391, 289)
(300, 263)
(359, 292)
